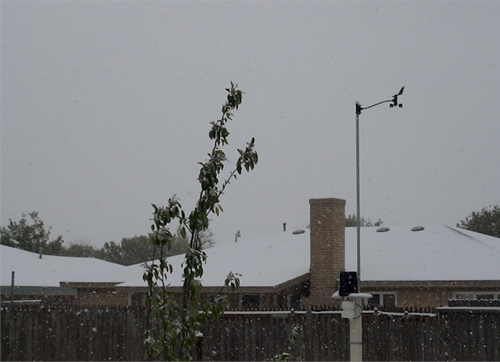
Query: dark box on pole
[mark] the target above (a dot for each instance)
(348, 283)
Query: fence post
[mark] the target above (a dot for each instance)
(309, 336)
(12, 289)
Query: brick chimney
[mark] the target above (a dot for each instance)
(327, 218)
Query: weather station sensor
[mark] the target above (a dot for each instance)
(348, 283)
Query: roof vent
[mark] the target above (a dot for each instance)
(382, 230)
(300, 231)
(417, 228)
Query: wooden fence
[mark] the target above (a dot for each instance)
(97, 334)
(72, 334)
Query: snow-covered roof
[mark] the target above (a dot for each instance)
(49, 271)
(265, 261)
(436, 253)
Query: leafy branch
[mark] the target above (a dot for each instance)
(174, 324)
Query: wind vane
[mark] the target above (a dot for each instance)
(393, 101)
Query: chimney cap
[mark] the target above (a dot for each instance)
(329, 200)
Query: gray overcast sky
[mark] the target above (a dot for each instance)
(105, 109)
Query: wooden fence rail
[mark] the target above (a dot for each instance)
(98, 334)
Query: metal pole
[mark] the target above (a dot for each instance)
(12, 288)
(356, 332)
(356, 324)
(358, 212)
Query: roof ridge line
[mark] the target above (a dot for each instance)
(459, 232)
